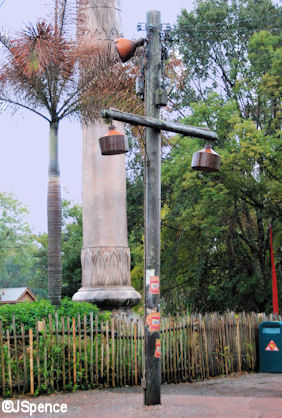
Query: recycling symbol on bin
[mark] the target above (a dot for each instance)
(271, 346)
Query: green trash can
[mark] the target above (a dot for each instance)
(270, 347)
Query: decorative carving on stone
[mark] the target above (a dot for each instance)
(87, 267)
(105, 266)
(104, 21)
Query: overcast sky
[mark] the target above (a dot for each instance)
(24, 137)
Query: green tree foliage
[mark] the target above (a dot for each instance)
(135, 209)
(17, 244)
(215, 235)
(27, 313)
(214, 40)
(39, 281)
(71, 249)
(215, 226)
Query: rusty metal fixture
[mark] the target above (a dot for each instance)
(113, 142)
(126, 48)
(206, 160)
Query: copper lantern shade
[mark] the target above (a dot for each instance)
(126, 48)
(206, 160)
(113, 142)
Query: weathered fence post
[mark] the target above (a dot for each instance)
(31, 361)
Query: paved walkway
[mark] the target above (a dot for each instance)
(249, 395)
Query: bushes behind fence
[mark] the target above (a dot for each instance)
(88, 351)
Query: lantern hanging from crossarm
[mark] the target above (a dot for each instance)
(113, 142)
(206, 160)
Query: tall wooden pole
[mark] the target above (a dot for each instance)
(152, 372)
(152, 216)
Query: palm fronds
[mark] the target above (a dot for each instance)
(49, 71)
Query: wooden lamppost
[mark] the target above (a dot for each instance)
(205, 160)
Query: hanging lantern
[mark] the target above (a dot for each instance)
(126, 48)
(206, 160)
(113, 142)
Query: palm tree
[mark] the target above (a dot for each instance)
(55, 76)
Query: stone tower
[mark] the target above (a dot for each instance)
(105, 256)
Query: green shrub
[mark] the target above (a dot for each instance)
(26, 313)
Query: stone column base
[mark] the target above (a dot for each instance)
(108, 297)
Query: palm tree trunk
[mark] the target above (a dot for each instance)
(54, 211)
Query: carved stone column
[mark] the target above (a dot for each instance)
(105, 256)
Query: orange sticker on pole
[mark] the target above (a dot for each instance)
(158, 350)
(153, 321)
(155, 285)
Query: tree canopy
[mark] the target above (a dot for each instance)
(17, 243)
(215, 231)
(215, 227)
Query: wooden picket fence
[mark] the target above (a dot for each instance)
(70, 353)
